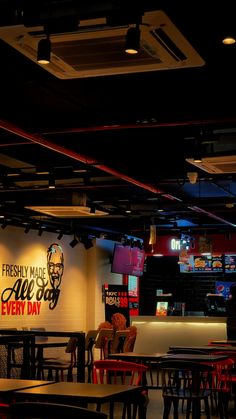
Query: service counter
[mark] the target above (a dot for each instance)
(156, 334)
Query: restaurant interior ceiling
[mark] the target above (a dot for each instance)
(99, 143)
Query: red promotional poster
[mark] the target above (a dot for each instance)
(117, 304)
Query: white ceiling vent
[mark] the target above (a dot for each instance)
(220, 164)
(98, 50)
(67, 211)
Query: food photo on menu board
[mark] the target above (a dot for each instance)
(202, 263)
(217, 263)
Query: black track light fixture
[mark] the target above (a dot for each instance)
(132, 44)
(27, 229)
(60, 235)
(74, 242)
(44, 51)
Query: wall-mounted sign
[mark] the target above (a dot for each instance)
(31, 286)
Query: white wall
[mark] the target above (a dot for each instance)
(80, 305)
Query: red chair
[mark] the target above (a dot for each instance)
(111, 371)
(222, 386)
(229, 378)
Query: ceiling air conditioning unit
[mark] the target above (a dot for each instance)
(97, 49)
(219, 164)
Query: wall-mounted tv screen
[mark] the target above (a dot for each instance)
(202, 264)
(128, 260)
(230, 263)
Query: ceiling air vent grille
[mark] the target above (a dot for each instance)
(220, 164)
(97, 49)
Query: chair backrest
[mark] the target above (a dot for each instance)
(90, 338)
(222, 375)
(71, 349)
(119, 340)
(111, 371)
(185, 378)
(129, 344)
(41, 410)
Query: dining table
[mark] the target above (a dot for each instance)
(231, 342)
(139, 357)
(209, 357)
(82, 394)
(9, 385)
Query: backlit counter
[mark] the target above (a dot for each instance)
(156, 334)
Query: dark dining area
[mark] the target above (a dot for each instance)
(117, 209)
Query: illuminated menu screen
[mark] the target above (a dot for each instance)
(230, 263)
(202, 264)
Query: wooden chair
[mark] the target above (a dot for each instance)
(111, 371)
(188, 381)
(58, 366)
(41, 410)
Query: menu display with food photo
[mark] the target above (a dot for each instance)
(202, 263)
(230, 263)
(217, 263)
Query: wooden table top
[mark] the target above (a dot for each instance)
(196, 357)
(14, 384)
(98, 393)
(206, 348)
(224, 342)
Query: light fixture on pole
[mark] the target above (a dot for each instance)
(132, 43)
(44, 51)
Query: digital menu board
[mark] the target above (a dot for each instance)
(230, 263)
(202, 264)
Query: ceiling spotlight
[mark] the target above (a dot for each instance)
(44, 51)
(74, 242)
(128, 208)
(4, 224)
(87, 242)
(60, 235)
(132, 43)
(40, 232)
(27, 229)
(51, 182)
(197, 152)
(92, 209)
